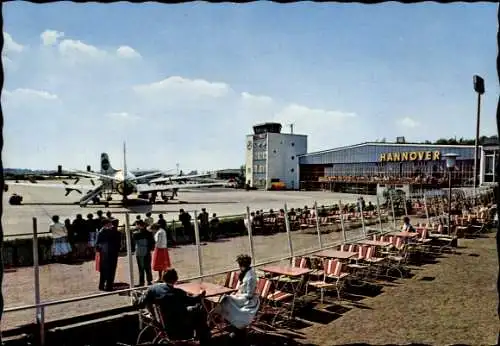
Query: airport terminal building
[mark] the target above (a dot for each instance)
(274, 157)
(375, 163)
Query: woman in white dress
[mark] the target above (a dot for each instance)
(239, 309)
(60, 245)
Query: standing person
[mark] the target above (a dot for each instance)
(185, 220)
(137, 220)
(214, 227)
(144, 244)
(239, 309)
(203, 219)
(81, 235)
(71, 237)
(93, 227)
(100, 219)
(108, 247)
(60, 245)
(161, 258)
(162, 223)
(149, 219)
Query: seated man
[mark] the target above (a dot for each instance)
(407, 227)
(181, 312)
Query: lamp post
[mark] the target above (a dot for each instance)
(451, 160)
(479, 89)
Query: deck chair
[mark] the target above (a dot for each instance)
(333, 270)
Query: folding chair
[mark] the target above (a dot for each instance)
(270, 300)
(332, 270)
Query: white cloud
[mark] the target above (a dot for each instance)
(179, 86)
(50, 37)
(127, 52)
(30, 93)
(257, 99)
(76, 48)
(408, 123)
(10, 45)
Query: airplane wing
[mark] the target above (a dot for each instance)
(94, 175)
(55, 186)
(166, 187)
(179, 177)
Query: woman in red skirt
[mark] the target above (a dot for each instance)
(161, 259)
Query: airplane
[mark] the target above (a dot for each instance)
(122, 182)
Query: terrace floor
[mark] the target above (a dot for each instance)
(450, 302)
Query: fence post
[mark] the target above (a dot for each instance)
(287, 226)
(379, 215)
(341, 211)
(40, 311)
(362, 217)
(393, 213)
(174, 231)
(250, 236)
(128, 238)
(320, 242)
(198, 245)
(426, 210)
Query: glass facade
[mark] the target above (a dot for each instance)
(377, 162)
(259, 159)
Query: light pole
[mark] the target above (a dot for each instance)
(479, 89)
(451, 160)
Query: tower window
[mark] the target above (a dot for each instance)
(293, 157)
(292, 144)
(292, 170)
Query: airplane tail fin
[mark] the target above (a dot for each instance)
(106, 167)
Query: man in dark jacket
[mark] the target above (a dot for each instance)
(81, 235)
(144, 244)
(108, 244)
(182, 314)
(204, 224)
(185, 220)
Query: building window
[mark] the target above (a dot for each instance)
(292, 144)
(293, 157)
(292, 170)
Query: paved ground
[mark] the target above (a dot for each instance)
(42, 203)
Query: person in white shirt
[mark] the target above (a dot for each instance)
(161, 258)
(60, 244)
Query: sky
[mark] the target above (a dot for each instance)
(183, 84)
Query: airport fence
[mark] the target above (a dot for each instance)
(279, 238)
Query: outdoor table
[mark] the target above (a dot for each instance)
(212, 290)
(335, 254)
(375, 243)
(405, 234)
(291, 272)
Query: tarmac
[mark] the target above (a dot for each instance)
(42, 203)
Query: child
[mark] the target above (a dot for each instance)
(161, 258)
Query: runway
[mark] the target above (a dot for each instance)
(42, 203)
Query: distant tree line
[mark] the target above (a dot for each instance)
(454, 141)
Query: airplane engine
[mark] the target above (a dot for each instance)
(125, 188)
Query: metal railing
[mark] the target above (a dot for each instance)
(41, 306)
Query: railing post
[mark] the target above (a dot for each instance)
(320, 242)
(128, 238)
(250, 236)
(341, 211)
(198, 245)
(362, 217)
(287, 226)
(40, 311)
(379, 215)
(426, 210)
(393, 213)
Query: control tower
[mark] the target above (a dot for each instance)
(271, 156)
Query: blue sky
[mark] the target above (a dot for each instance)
(185, 83)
